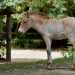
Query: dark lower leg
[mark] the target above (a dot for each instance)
(49, 56)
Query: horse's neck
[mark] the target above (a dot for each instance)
(36, 27)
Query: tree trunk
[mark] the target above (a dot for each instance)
(8, 38)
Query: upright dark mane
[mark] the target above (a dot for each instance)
(41, 14)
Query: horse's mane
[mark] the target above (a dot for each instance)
(41, 14)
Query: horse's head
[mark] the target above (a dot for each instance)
(34, 20)
(25, 24)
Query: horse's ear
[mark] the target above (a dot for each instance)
(28, 12)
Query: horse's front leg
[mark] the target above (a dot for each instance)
(48, 47)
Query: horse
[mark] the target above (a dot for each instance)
(50, 28)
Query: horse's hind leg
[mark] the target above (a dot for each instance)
(48, 46)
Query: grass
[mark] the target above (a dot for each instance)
(26, 65)
(30, 65)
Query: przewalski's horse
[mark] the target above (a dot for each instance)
(50, 28)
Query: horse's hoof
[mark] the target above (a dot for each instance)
(49, 63)
(50, 66)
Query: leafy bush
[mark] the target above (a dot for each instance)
(2, 52)
(28, 40)
(68, 55)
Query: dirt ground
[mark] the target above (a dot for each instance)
(38, 72)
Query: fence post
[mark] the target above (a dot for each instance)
(8, 38)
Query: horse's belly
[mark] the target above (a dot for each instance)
(59, 36)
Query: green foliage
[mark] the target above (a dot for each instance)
(70, 5)
(2, 23)
(68, 55)
(5, 3)
(2, 51)
(58, 8)
(28, 40)
(54, 8)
